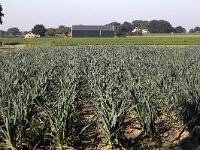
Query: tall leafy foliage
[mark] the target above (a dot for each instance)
(1, 14)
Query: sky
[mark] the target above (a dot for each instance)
(25, 14)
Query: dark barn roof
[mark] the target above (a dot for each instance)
(93, 28)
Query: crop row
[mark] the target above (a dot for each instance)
(40, 92)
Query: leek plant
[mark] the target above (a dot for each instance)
(142, 80)
(110, 104)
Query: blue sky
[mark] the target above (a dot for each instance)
(24, 14)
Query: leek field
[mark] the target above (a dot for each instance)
(101, 97)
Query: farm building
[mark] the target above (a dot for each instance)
(144, 31)
(92, 31)
(31, 35)
(69, 34)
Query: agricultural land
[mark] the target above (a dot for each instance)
(134, 93)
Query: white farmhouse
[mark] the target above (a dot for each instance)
(136, 30)
(144, 31)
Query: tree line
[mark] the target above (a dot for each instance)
(153, 26)
(37, 29)
(121, 29)
(124, 29)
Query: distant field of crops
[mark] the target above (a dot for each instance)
(152, 39)
(88, 97)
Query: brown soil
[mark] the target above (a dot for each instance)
(171, 134)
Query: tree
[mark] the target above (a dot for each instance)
(2, 33)
(191, 31)
(117, 28)
(62, 30)
(127, 28)
(13, 32)
(1, 14)
(39, 29)
(180, 29)
(160, 26)
(50, 32)
(142, 24)
(115, 24)
(197, 29)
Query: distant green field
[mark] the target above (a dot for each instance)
(152, 39)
